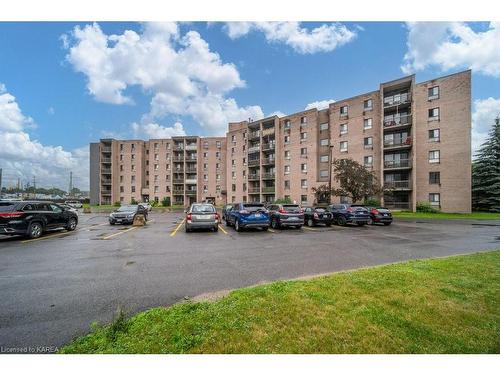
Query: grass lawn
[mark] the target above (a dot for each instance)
(447, 305)
(442, 215)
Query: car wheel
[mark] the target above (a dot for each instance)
(386, 224)
(71, 224)
(111, 223)
(370, 221)
(35, 230)
(237, 226)
(310, 223)
(341, 221)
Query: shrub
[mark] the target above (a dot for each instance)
(165, 202)
(372, 202)
(117, 204)
(120, 324)
(426, 207)
(133, 201)
(283, 201)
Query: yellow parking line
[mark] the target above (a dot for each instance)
(271, 230)
(118, 233)
(307, 228)
(177, 228)
(222, 229)
(45, 237)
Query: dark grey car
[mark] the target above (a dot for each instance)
(126, 214)
(202, 216)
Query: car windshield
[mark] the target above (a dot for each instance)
(6, 206)
(291, 208)
(199, 208)
(254, 207)
(127, 208)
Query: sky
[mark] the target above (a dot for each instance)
(64, 85)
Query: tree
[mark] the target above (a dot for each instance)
(486, 173)
(165, 202)
(355, 181)
(322, 193)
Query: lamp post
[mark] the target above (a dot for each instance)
(330, 175)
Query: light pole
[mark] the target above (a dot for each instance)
(330, 175)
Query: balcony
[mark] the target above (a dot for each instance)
(178, 170)
(106, 192)
(106, 181)
(106, 160)
(106, 149)
(178, 158)
(253, 149)
(191, 147)
(106, 170)
(191, 170)
(269, 131)
(397, 143)
(254, 162)
(254, 190)
(394, 121)
(397, 99)
(178, 181)
(397, 185)
(178, 191)
(191, 181)
(397, 205)
(268, 146)
(254, 135)
(253, 176)
(266, 161)
(268, 189)
(190, 192)
(268, 176)
(397, 164)
(191, 160)
(179, 147)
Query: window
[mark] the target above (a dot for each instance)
(132, 189)
(233, 138)
(303, 168)
(433, 93)
(287, 184)
(205, 189)
(205, 166)
(434, 135)
(287, 139)
(233, 187)
(287, 169)
(205, 144)
(368, 104)
(217, 177)
(303, 199)
(343, 110)
(303, 136)
(217, 144)
(343, 146)
(324, 142)
(122, 189)
(132, 178)
(121, 168)
(233, 175)
(323, 173)
(434, 156)
(121, 146)
(244, 135)
(303, 151)
(303, 120)
(156, 167)
(324, 158)
(368, 161)
(367, 123)
(244, 186)
(244, 161)
(233, 162)
(205, 177)
(217, 166)
(121, 157)
(287, 154)
(156, 189)
(132, 156)
(343, 129)
(435, 199)
(121, 178)
(368, 142)
(434, 114)
(434, 178)
(303, 184)
(217, 154)
(324, 126)
(205, 155)
(156, 178)
(287, 124)
(132, 147)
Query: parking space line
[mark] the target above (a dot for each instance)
(45, 237)
(118, 233)
(177, 228)
(222, 229)
(271, 230)
(307, 228)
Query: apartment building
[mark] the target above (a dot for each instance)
(415, 137)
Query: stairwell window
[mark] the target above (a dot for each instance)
(368, 142)
(434, 114)
(434, 178)
(323, 158)
(343, 129)
(368, 105)
(367, 123)
(303, 168)
(324, 126)
(434, 135)
(287, 169)
(303, 184)
(434, 156)
(368, 161)
(435, 199)
(287, 154)
(303, 136)
(343, 146)
(324, 142)
(344, 110)
(433, 93)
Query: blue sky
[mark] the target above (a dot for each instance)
(261, 68)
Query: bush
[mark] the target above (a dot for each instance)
(283, 201)
(117, 204)
(372, 202)
(426, 207)
(165, 202)
(133, 201)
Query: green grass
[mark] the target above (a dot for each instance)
(443, 215)
(447, 305)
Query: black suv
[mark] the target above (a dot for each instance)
(126, 214)
(32, 218)
(286, 215)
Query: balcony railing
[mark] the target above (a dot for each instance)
(268, 189)
(179, 147)
(396, 99)
(253, 162)
(192, 147)
(268, 161)
(106, 170)
(106, 149)
(178, 191)
(190, 192)
(268, 176)
(397, 142)
(268, 146)
(253, 190)
(106, 182)
(191, 181)
(178, 180)
(398, 205)
(269, 131)
(253, 135)
(253, 176)
(178, 158)
(395, 185)
(178, 170)
(253, 149)
(106, 160)
(393, 120)
(402, 163)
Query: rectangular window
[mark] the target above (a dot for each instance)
(132, 167)
(368, 161)
(324, 142)
(303, 168)
(343, 146)
(233, 174)
(205, 177)
(323, 158)
(217, 154)
(217, 177)
(434, 114)
(368, 142)
(233, 187)
(303, 199)
(156, 167)
(233, 162)
(303, 151)
(303, 120)
(344, 110)
(287, 154)
(217, 144)
(287, 169)
(287, 139)
(323, 173)
(434, 156)
(433, 93)
(233, 138)
(434, 135)
(121, 146)
(205, 144)
(368, 104)
(303, 136)
(287, 124)
(303, 184)
(287, 184)
(157, 189)
(323, 126)
(132, 156)
(132, 189)
(435, 199)
(434, 178)
(121, 189)
(343, 129)
(367, 123)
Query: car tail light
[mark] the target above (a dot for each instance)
(10, 215)
(244, 212)
(375, 211)
(282, 211)
(349, 209)
(189, 217)
(301, 211)
(216, 216)
(315, 215)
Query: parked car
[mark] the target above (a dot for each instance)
(349, 214)
(380, 215)
(146, 205)
(248, 215)
(75, 204)
(317, 215)
(202, 216)
(225, 209)
(126, 214)
(31, 218)
(285, 215)
(70, 208)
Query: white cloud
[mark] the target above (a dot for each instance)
(179, 71)
(320, 104)
(23, 157)
(483, 117)
(153, 130)
(450, 45)
(276, 113)
(324, 38)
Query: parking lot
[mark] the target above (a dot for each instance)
(53, 287)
